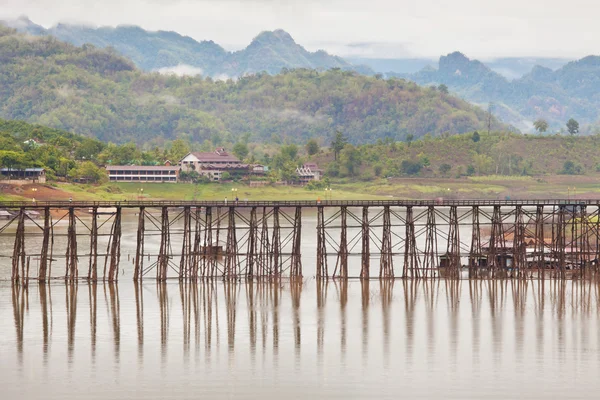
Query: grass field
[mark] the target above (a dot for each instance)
(491, 187)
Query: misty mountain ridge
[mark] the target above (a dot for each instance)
(270, 51)
(571, 91)
(99, 93)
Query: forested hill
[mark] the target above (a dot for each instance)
(269, 51)
(98, 93)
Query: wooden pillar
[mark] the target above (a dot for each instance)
(411, 258)
(366, 242)
(115, 248)
(264, 256)
(296, 269)
(519, 245)
(453, 249)
(139, 250)
(93, 263)
(18, 258)
(540, 248)
(42, 273)
(252, 242)
(321, 244)
(276, 244)
(196, 248)
(431, 246)
(71, 255)
(560, 241)
(206, 249)
(186, 247)
(475, 253)
(341, 265)
(165, 244)
(387, 264)
(231, 257)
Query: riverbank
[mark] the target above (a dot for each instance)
(488, 187)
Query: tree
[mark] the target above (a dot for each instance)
(312, 147)
(541, 125)
(489, 117)
(571, 168)
(350, 157)
(482, 163)
(409, 138)
(410, 167)
(476, 137)
(88, 170)
(179, 149)
(445, 168)
(443, 89)
(338, 143)
(573, 127)
(240, 149)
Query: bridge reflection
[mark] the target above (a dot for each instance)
(270, 318)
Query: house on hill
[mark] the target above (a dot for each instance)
(214, 164)
(309, 172)
(37, 175)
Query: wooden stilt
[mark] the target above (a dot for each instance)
(366, 241)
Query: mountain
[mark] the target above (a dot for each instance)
(572, 91)
(99, 93)
(269, 52)
(508, 67)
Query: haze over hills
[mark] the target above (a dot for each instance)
(268, 52)
(98, 93)
(571, 91)
(553, 90)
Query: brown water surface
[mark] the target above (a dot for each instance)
(292, 340)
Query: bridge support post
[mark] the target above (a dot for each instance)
(296, 268)
(366, 242)
(341, 265)
(71, 255)
(321, 245)
(165, 244)
(186, 247)
(431, 247)
(231, 258)
(252, 242)
(18, 258)
(475, 253)
(42, 273)
(93, 263)
(115, 247)
(411, 258)
(453, 250)
(276, 244)
(519, 245)
(139, 250)
(387, 264)
(540, 248)
(264, 257)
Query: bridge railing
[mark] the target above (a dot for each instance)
(292, 203)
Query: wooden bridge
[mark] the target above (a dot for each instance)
(264, 239)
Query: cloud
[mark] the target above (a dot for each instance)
(181, 70)
(377, 28)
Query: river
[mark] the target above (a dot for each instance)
(295, 340)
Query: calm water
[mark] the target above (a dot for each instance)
(288, 340)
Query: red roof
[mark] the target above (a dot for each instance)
(219, 155)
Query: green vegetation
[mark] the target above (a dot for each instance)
(499, 153)
(100, 94)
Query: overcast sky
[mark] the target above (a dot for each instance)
(375, 28)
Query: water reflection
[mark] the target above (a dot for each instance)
(298, 325)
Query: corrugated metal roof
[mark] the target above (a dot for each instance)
(140, 168)
(22, 169)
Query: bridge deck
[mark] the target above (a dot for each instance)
(294, 203)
